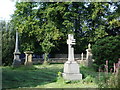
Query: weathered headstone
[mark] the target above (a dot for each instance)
(82, 56)
(28, 58)
(89, 56)
(16, 61)
(71, 68)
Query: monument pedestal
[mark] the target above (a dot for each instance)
(28, 59)
(16, 61)
(71, 71)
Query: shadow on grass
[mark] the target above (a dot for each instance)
(28, 77)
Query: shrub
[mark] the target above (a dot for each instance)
(89, 79)
(110, 80)
(106, 49)
(7, 47)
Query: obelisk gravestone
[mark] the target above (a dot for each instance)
(16, 61)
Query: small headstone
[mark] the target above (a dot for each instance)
(16, 61)
(28, 58)
(82, 56)
(89, 56)
(71, 67)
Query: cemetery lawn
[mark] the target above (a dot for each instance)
(44, 76)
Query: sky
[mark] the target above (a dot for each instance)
(7, 8)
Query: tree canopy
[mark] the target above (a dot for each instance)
(45, 25)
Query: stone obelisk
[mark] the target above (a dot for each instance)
(71, 68)
(16, 61)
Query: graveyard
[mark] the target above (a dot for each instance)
(41, 76)
(65, 45)
(70, 74)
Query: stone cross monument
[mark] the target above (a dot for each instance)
(71, 68)
(16, 61)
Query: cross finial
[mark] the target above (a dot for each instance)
(71, 40)
(89, 45)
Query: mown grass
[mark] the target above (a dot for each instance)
(44, 76)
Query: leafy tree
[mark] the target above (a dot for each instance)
(7, 42)
(41, 23)
(25, 22)
(106, 49)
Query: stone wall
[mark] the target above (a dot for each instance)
(66, 55)
(59, 58)
(84, 59)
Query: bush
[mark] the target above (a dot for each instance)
(89, 79)
(110, 80)
(106, 49)
(8, 47)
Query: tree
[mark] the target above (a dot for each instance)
(106, 49)
(50, 22)
(8, 41)
(25, 22)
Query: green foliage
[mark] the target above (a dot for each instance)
(110, 80)
(106, 49)
(24, 21)
(7, 42)
(59, 74)
(44, 26)
(86, 71)
(46, 47)
(113, 81)
(89, 79)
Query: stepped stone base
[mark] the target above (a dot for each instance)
(71, 71)
(16, 63)
(72, 76)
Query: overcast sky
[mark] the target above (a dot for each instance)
(7, 8)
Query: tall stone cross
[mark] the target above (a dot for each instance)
(70, 42)
(16, 61)
(71, 68)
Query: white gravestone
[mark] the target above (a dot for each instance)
(16, 61)
(71, 68)
(82, 56)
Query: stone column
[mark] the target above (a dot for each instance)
(89, 56)
(16, 61)
(28, 58)
(71, 68)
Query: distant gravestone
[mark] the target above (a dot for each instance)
(89, 56)
(16, 61)
(71, 68)
(82, 56)
(28, 58)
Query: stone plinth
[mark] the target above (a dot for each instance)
(16, 61)
(71, 71)
(28, 58)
